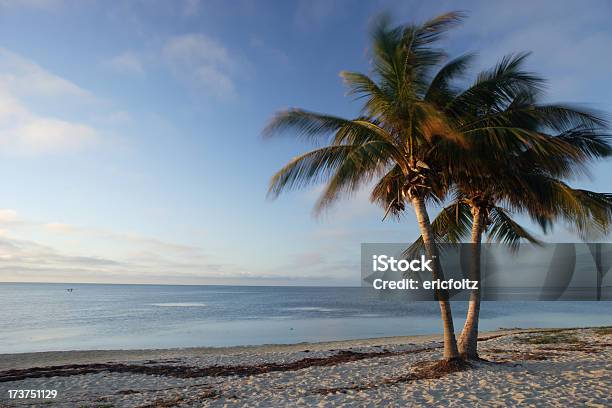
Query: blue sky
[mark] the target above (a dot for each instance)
(129, 130)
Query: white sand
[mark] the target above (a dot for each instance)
(574, 374)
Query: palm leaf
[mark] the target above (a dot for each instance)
(310, 125)
(504, 229)
(440, 91)
(309, 168)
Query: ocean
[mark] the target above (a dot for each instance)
(48, 317)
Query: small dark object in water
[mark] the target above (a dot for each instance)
(69, 290)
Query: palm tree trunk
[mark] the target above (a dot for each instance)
(451, 351)
(468, 341)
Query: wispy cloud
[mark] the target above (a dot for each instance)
(203, 62)
(566, 41)
(32, 250)
(23, 131)
(28, 134)
(8, 216)
(48, 250)
(126, 62)
(21, 76)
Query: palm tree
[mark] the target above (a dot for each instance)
(522, 180)
(399, 129)
(413, 129)
(476, 215)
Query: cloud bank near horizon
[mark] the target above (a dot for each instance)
(33, 251)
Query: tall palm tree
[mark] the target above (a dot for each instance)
(410, 133)
(399, 129)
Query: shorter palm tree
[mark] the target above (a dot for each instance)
(483, 205)
(469, 219)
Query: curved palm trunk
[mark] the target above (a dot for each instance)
(468, 341)
(451, 351)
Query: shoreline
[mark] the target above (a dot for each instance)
(568, 366)
(22, 360)
(9, 361)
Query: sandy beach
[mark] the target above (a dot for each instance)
(565, 367)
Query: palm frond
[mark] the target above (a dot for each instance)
(310, 125)
(358, 167)
(586, 211)
(501, 84)
(440, 91)
(594, 143)
(565, 117)
(310, 168)
(597, 211)
(504, 229)
(388, 192)
(436, 28)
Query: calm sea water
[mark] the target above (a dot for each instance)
(44, 317)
